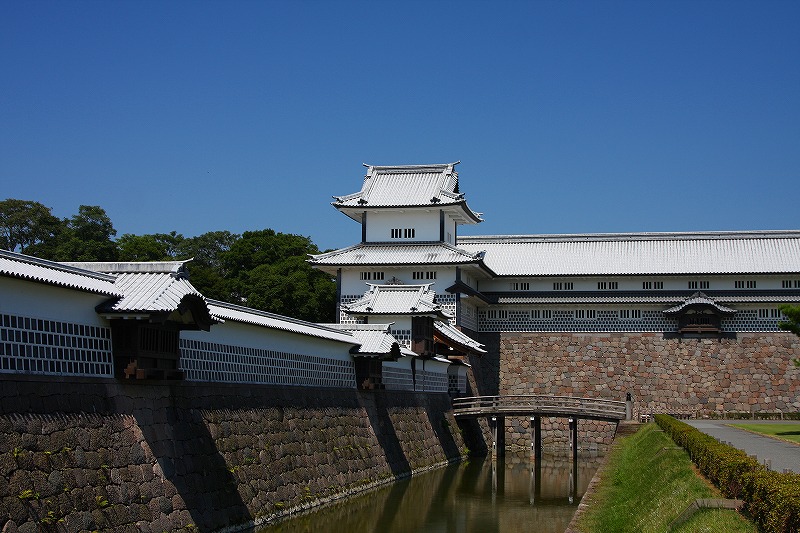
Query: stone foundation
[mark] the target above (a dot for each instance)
(87, 454)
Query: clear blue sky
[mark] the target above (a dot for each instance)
(568, 117)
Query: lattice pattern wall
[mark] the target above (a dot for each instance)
(749, 320)
(456, 383)
(398, 378)
(403, 336)
(344, 318)
(428, 381)
(225, 363)
(447, 302)
(38, 346)
(605, 320)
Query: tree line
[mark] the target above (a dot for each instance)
(261, 269)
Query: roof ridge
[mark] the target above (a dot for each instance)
(267, 314)
(443, 166)
(31, 260)
(653, 236)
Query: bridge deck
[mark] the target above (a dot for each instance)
(537, 405)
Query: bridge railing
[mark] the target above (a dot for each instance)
(524, 404)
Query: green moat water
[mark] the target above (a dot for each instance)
(506, 495)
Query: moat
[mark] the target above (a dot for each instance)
(506, 495)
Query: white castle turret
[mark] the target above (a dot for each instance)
(409, 218)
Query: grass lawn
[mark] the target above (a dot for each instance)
(789, 432)
(648, 483)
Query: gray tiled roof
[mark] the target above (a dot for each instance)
(146, 287)
(425, 253)
(458, 337)
(225, 311)
(151, 292)
(30, 268)
(375, 339)
(408, 186)
(639, 253)
(396, 300)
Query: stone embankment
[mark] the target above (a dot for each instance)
(88, 454)
(685, 377)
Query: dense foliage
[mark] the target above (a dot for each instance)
(772, 498)
(260, 269)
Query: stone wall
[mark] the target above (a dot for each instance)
(88, 454)
(688, 377)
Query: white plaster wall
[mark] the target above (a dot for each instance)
(404, 363)
(425, 223)
(250, 336)
(634, 283)
(32, 299)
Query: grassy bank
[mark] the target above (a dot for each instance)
(647, 484)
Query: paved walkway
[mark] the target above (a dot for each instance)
(784, 456)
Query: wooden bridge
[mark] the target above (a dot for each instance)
(535, 405)
(496, 408)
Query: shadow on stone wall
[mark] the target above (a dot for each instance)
(188, 461)
(375, 405)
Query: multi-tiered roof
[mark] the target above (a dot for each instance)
(392, 187)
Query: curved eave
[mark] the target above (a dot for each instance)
(343, 257)
(467, 216)
(699, 302)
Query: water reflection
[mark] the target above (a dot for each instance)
(507, 495)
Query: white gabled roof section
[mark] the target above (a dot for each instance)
(446, 330)
(30, 268)
(408, 186)
(224, 311)
(415, 300)
(699, 299)
(748, 252)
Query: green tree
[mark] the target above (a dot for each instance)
(291, 287)
(26, 225)
(206, 269)
(792, 322)
(268, 271)
(152, 247)
(88, 236)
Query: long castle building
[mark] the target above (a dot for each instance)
(685, 323)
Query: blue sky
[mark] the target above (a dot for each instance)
(568, 117)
